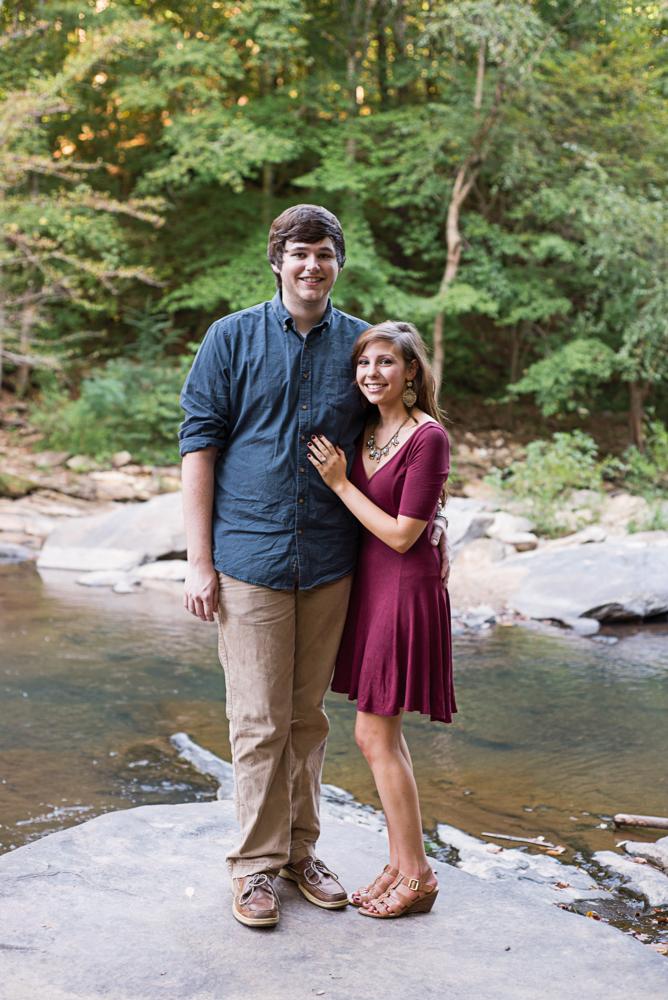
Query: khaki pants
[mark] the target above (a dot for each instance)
(278, 649)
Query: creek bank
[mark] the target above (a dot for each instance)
(599, 574)
(24, 472)
(502, 571)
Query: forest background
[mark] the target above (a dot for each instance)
(499, 169)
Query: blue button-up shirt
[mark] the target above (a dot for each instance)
(257, 391)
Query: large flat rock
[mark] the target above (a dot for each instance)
(126, 537)
(607, 581)
(136, 905)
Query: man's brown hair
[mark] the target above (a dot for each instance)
(304, 224)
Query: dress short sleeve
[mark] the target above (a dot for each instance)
(427, 468)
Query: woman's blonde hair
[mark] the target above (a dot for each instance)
(409, 342)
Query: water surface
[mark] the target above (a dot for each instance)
(554, 733)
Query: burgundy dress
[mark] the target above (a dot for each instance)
(395, 652)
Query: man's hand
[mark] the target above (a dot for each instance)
(439, 536)
(200, 591)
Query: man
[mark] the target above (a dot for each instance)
(272, 549)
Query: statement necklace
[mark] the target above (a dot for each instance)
(376, 452)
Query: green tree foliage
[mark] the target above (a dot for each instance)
(499, 168)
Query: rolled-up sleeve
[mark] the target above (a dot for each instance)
(205, 396)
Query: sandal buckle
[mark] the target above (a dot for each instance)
(414, 884)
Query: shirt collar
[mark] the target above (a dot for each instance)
(285, 319)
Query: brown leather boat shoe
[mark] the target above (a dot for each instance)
(255, 901)
(316, 883)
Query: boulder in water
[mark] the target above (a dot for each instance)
(640, 878)
(125, 538)
(656, 854)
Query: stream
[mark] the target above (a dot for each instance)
(554, 734)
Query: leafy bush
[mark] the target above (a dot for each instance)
(550, 472)
(647, 473)
(654, 519)
(126, 405)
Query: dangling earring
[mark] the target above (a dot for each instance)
(409, 396)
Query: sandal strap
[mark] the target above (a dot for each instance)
(394, 900)
(366, 890)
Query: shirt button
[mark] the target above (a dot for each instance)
(303, 407)
(303, 437)
(304, 375)
(302, 470)
(301, 500)
(299, 532)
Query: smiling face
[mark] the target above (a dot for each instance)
(308, 271)
(382, 372)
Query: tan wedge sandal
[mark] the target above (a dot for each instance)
(395, 903)
(378, 887)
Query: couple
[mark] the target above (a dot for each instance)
(313, 464)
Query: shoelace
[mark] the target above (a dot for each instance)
(318, 868)
(258, 881)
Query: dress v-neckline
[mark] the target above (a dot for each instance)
(392, 457)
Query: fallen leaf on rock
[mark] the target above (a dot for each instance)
(557, 850)
(562, 885)
(661, 948)
(640, 861)
(594, 916)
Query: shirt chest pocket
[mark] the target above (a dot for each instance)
(341, 391)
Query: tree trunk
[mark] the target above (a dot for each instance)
(267, 196)
(460, 190)
(469, 171)
(639, 392)
(382, 68)
(2, 335)
(477, 102)
(514, 367)
(27, 321)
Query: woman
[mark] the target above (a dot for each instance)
(395, 653)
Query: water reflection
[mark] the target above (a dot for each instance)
(554, 735)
